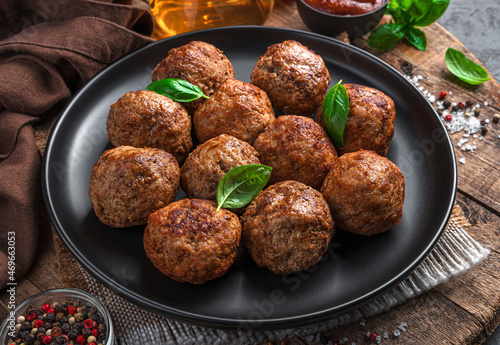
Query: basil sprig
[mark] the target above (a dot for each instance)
(334, 113)
(408, 15)
(464, 68)
(177, 89)
(240, 185)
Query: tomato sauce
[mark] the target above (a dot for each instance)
(345, 7)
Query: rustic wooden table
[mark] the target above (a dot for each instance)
(463, 311)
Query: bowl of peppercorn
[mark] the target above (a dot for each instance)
(357, 17)
(58, 317)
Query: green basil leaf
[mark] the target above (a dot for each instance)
(433, 13)
(177, 89)
(417, 38)
(386, 36)
(464, 68)
(334, 113)
(240, 185)
(419, 9)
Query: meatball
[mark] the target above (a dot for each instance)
(365, 192)
(128, 183)
(297, 148)
(148, 119)
(294, 77)
(287, 227)
(370, 122)
(189, 241)
(199, 63)
(236, 108)
(210, 161)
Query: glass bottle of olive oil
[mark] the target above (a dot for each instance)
(173, 17)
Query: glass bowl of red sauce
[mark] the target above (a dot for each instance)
(332, 17)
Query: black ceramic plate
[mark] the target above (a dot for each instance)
(354, 271)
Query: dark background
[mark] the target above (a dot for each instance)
(477, 25)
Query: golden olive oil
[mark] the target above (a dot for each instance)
(173, 17)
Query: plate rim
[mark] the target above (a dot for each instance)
(229, 323)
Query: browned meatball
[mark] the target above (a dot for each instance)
(294, 77)
(148, 119)
(370, 123)
(189, 241)
(128, 183)
(198, 62)
(236, 108)
(297, 148)
(287, 227)
(209, 162)
(365, 193)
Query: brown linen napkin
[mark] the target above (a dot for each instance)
(48, 50)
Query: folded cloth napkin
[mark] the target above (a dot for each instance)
(48, 50)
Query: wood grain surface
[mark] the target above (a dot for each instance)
(464, 310)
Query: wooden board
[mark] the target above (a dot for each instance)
(463, 311)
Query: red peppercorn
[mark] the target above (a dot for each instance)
(51, 311)
(337, 342)
(38, 323)
(461, 105)
(45, 307)
(80, 339)
(94, 324)
(372, 336)
(31, 317)
(65, 337)
(448, 117)
(442, 94)
(71, 309)
(95, 332)
(47, 339)
(92, 344)
(88, 323)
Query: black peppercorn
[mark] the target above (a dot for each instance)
(65, 327)
(101, 337)
(38, 342)
(101, 328)
(484, 130)
(41, 330)
(468, 104)
(23, 334)
(30, 339)
(73, 334)
(30, 310)
(26, 326)
(50, 317)
(86, 332)
(446, 104)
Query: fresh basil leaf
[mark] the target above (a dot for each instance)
(334, 113)
(464, 68)
(386, 36)
(177, 89)
(434, 13)
(418, 9)
(240, 185)
(417, 38)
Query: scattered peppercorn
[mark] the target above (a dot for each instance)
(468, 104)
(484, 130)
(448, 117)
(467, 115)
(495, 118)
(372, 336)
(461, 105)
(442, 94)
(477, 111)
(446, 104)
